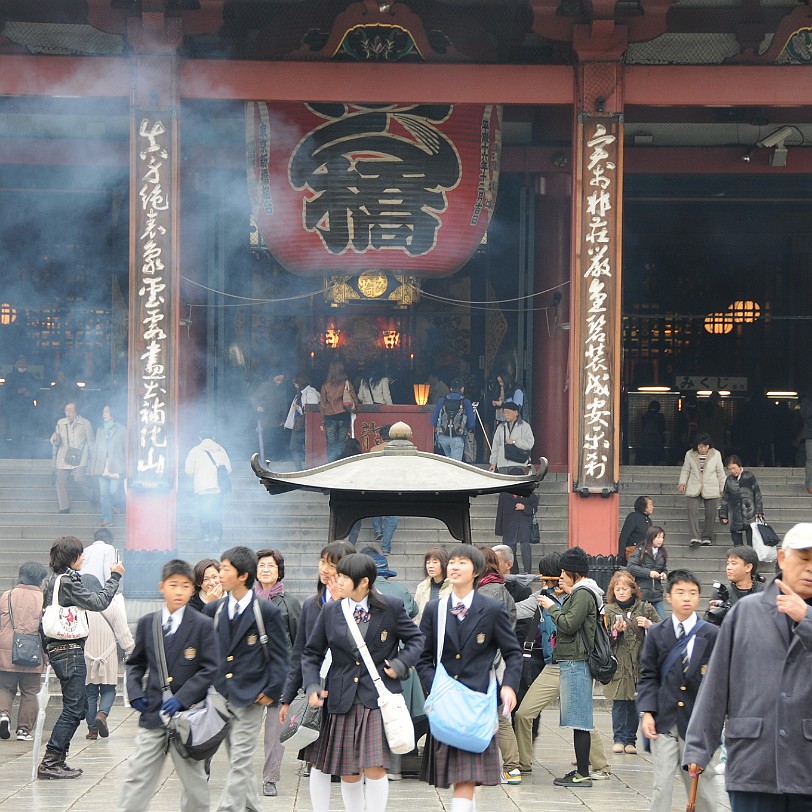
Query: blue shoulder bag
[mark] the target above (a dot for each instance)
(459, 716)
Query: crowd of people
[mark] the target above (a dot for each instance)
(229, 624)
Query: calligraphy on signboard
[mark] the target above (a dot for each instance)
(353, 188)
(598, 305)
(150, 464)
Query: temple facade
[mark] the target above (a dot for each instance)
(605, 203)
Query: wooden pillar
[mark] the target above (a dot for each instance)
(551, 374)
(596, 305)
(153, 299)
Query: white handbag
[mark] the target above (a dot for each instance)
(397, 723)
(63, 622)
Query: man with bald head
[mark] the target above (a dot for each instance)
(758, 679)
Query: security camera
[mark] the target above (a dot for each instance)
(776, 138)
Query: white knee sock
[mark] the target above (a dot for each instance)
(462, 805)
(319, 785)
(377, 793)
(353, 795)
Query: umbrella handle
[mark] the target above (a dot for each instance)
(692, 796)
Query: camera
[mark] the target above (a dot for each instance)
(716, 614)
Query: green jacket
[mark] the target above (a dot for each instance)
(577, 611)
(627, 647)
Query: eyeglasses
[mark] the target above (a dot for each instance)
(272, 566)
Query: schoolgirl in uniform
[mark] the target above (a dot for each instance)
(326, 591)
(477, 627)
(353, 741)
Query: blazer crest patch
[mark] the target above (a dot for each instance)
(252, 639)
(189, 653)
(384, 636)
(480, 638)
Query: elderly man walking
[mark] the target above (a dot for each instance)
(758, 678)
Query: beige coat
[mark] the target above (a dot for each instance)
(26, 603)
(422, 595)
(78, 434)
(105, 629)
(710, 482)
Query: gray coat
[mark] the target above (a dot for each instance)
(769, 710)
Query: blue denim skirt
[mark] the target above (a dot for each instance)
(576, 695)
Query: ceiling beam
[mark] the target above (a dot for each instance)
(656, 86)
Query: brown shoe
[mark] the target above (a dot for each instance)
(101, 724)
(53, 767)
(92, 734)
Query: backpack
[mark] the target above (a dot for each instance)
(602, 662)
(452, 419)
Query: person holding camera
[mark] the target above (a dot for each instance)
(741, 570)
(512, 442)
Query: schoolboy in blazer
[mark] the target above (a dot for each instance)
(666, 697)
(192, 658)
(248, 678)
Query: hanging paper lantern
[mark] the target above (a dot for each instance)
(349, 188)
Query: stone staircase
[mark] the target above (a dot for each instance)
(296, 523)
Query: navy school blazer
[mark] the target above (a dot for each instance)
(471, 645)
(670, 697)
(348, 676)
(307, 622)
(192, 660)
(244, 671)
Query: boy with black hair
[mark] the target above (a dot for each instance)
(191, 661)
(741, 570)
(674, 661)
(253, 665)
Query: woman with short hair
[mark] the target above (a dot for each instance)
(269, 587)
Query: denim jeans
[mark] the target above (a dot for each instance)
(336, 429)
(452, 446)
(69, 667)
(385, 526)
(110, 494)
(624, 721)
(100, 699)
(210, 515)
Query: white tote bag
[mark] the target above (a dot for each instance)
(764, 552)
(63, 622)
(397, 723)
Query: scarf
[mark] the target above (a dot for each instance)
(269, 594)
(490, 578)
(626, 604)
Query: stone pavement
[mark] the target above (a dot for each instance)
(104, 765)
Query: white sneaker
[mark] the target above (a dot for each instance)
(600, 775)
(24, 736)
(5, 731)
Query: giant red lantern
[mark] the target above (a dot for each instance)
(348, 188)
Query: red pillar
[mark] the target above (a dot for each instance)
(595, 449)
(154, 300)
(550, 419)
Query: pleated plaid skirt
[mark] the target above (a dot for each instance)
(350, 742)
(443, 765)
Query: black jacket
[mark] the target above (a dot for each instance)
(633, 533)
(307, 622)
(72, 592)
(244, 670)
(192, 657)
(640, 565)
(470, 645)
(670, 697)
(348, 677)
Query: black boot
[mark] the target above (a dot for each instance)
(53, 766)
